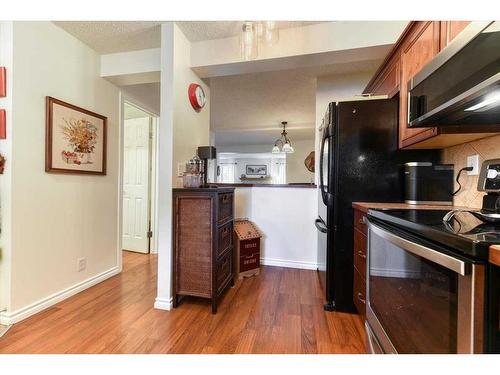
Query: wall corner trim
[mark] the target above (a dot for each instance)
(163, 304)
(7, 318)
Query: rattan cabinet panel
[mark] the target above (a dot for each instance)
(202, 243)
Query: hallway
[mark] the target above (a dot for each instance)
(279, 311)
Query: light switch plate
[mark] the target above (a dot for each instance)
(473, 161)
(180, 169)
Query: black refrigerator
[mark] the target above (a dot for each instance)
(359, 161)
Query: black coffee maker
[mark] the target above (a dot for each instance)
(206, 153)
(489, 181)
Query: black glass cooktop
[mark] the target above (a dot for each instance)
(465, 234)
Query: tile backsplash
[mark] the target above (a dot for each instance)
(486, 148)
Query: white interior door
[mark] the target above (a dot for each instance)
(136, 189)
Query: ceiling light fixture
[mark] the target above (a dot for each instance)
(283, 142)
(253, 32)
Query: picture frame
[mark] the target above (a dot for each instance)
(75, 140)
(3, 82)
(3, 124)
(256, 170)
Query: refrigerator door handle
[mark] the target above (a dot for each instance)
(321, 176)
(320, 225)
(325, 195)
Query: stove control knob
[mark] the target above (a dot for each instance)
(492, 173)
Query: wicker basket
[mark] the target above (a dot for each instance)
(247, 249)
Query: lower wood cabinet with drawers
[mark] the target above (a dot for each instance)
(359, 256)
(202, 242)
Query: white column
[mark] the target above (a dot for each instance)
(164, 162)
(6, 60)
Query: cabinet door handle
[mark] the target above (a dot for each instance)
(361, 255)
(362, 220)
(361, 299)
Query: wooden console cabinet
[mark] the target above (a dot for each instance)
(202, 242)
(418, 44)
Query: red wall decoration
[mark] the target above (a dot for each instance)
(3, 82)
(3, 127)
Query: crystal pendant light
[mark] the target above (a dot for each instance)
(253, 32)
(248, 43)
(270, 33)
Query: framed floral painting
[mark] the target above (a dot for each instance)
(75, 139)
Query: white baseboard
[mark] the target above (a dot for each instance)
(288, 263)
(7, 318)
(163, 304)
(3, 330)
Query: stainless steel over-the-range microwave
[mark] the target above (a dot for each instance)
(460, 85)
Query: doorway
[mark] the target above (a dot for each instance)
(138, 208)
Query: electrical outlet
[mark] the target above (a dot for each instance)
(473, 161)
(81, 264)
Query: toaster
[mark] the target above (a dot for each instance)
(427, 183)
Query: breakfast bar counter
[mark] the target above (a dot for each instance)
(292, 185)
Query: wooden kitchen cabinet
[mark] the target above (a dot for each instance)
(419, 48)
(359, 257)
(388, 81)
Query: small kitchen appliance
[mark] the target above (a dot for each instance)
(192, 176)
(206, 153)
(427, 183)
(460, 86)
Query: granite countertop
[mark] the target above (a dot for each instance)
(292, 185)
(206, 189)
(494, 251)
(365, 206)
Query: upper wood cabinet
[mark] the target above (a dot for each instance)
(449, 30)
(419, 48)
(388, 81)
(418, 44)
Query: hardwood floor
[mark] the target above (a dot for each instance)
(279, 311)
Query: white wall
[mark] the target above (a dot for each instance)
(295, 168)
(6, 60)
(55, 218)
(296, 171)
(191, 129)
(306, 41)
(332, 89)
(241, 160)
(146, 96)
(285, 216)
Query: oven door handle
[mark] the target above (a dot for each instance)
(449, 262)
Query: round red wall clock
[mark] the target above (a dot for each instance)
(196, 96)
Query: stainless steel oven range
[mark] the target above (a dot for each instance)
(428, 287)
